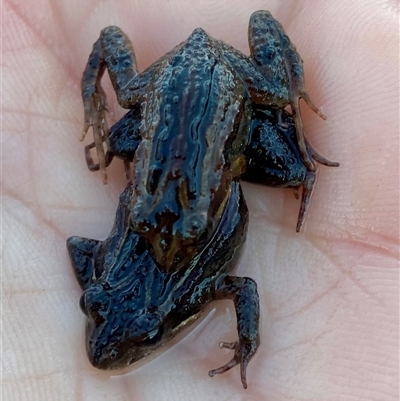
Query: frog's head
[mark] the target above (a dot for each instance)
(118, 332)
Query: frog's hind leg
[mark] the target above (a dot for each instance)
(81, 252)
(277, 58)
(216, 260)
(113, 51)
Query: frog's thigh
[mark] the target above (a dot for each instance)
(81, 251)
(266, 167)
(272, 154)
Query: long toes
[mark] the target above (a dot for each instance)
(321, 159)
(304, 95)
(231, 345)
(301, 141)
(243, 367)
(308, 187)
(231, 364)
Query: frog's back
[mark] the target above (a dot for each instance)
(191, 117)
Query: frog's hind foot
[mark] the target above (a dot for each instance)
(108, 157)
(308, 183)
(95, 107)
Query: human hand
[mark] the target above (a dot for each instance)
(329, 295)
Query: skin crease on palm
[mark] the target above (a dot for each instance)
(329, 295)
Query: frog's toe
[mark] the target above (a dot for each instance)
(321, 159)
(308, 187)
(242, 357)
(304, 95)
(301, 141)
(231, 364)
(92, 166)
(94, 105)
(308, 183)
(298, 93)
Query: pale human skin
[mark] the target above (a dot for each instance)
(329, 295)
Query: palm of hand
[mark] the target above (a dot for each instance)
(328, 295)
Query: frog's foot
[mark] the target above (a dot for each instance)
(108, 157)
(95, 107)
(243, 292)
(242, 356)
(298, 93)
(308, 184)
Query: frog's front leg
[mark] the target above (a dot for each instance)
(81, 251)
(277, 59)
(88, 256)
(243, 292)
(113, 51)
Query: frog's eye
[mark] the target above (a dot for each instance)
(154, 336)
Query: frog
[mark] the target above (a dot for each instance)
(201, 118)
(133, 307)
(190, 131)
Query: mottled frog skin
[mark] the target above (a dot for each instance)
(201, 117)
